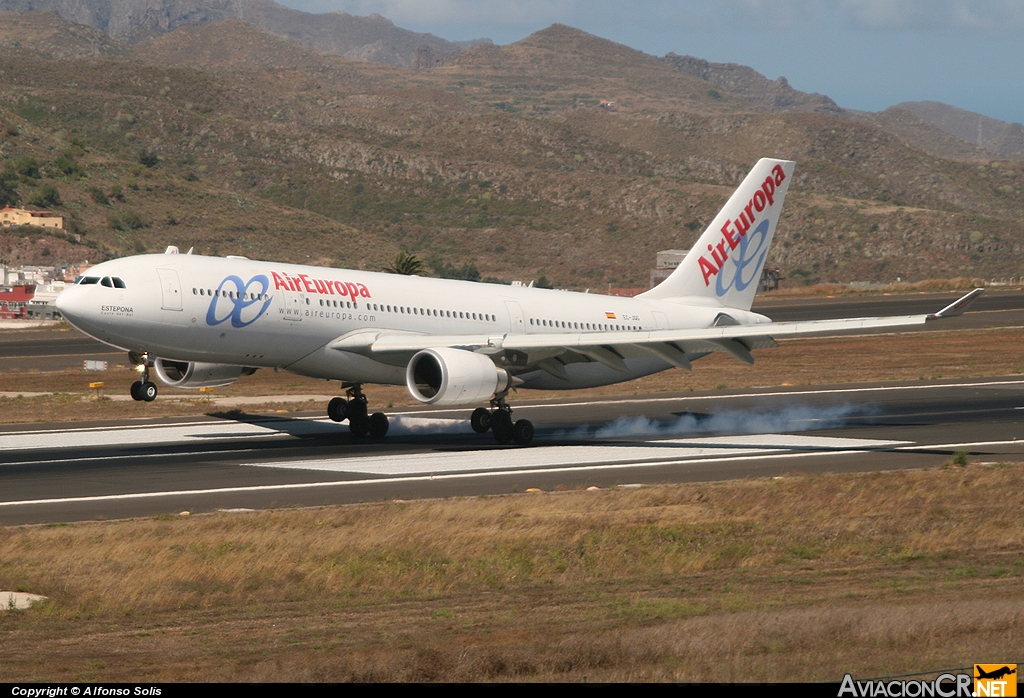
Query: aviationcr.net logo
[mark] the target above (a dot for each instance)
(995, 680)
(243, 302)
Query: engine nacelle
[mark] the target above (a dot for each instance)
(188, 374)
(446, 376)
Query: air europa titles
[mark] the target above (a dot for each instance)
(734, 231)
(302, 282)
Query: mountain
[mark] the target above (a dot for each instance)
(372, 38)
(923, 134)
(44, 35)
(748, 84)
(1000, 137)
(503, 160)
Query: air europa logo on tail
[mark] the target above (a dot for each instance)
(325, 287)
(737, 233)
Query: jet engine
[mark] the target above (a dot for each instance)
(446, 376)
(188, 374)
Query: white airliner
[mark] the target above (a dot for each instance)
(206, 321)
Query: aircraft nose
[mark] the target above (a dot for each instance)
(69, 304)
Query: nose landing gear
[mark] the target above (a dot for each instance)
(144, 389)
(355, 411)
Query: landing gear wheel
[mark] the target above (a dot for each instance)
(136, 391)
(522, 432)
(501, 425)
(356, 410)
(336, 409)
(359, 426)
(480, 420)
(148, 391)
(378, 425)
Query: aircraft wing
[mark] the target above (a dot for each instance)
(671, 345)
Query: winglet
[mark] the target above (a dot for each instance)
(958, 307)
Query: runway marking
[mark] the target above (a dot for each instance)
(446, 476)
(678, 450)
(138, 435)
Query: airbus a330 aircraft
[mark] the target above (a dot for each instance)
(205, 321)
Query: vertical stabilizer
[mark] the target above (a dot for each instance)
(725, 263)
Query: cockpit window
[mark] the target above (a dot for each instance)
(107, 282)
(118, 283)
(87, 280)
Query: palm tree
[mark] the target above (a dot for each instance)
(407, 264)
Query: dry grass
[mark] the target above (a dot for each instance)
(909, 356)
(801, 578)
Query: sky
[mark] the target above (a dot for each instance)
(864, 54)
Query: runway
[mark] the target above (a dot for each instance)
(87, 471)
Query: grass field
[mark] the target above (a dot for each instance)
(795, 578)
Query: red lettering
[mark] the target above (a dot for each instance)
(279, 283)
(340, 285)
(721, 248)
(749, 209)
(708, 269)
(305, 282)
(769, 190)
(780, 176)
(363, 291)
(353, 290)
(743, 223)
(714, 255)
(730, 237)
(759, 200)
(321, 287)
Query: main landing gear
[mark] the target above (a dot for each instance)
(144, 389)
(499, 421)
(354, 410)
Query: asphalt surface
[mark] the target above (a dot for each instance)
(82, 471)
(56, 473)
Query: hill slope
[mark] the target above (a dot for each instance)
(372, 38)
(500, 159)
(750, 85)
(996, 136)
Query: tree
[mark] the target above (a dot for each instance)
(45, 196)
(408, 265)
(26, 166)
(8, 187)
(148, 158)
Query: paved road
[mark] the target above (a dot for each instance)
(85, 471)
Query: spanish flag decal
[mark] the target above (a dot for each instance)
(610, 316)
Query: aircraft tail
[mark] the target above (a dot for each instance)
(725, 263)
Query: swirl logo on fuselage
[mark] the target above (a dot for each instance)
(243, 304)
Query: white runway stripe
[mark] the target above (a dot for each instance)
(548, 456)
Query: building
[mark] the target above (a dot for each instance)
(43, 305)
(668, 260)
(14, 301)
(665, 264)
(20, 216)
